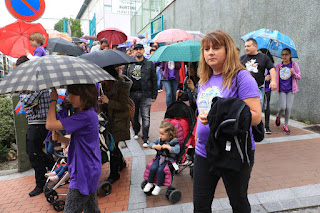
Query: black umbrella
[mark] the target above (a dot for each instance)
(62, 46)
(105, 58)
(52, 71)
(76, 40)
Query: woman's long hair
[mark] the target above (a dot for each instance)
(232, 64)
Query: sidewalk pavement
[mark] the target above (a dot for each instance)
(286, 175)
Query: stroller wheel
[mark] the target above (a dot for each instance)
(51, 196)
(191, 171)
(58, 205)
(175, 196)
(169, 190)
(104, 189)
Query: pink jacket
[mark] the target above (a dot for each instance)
(296, 76)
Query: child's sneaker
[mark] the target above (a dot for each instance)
(148, 187)
(286, 130)
(156, 190)
(278, 121)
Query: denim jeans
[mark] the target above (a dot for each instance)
(267, 110)
(261, 91)
(205, 183)
(171, 87)
(157, 169)
(159, 81)
(142, 107)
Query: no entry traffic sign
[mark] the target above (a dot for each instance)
(26, 10)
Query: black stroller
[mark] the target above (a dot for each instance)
(183, 118)
(104, 189)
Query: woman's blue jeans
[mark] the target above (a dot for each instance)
(159, 81)
(171, 87)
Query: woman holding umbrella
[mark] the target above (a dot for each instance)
(288, 72)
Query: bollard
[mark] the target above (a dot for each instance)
(21, 127)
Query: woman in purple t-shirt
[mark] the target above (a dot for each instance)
(221, 74)
(84, 156)
(288, 72)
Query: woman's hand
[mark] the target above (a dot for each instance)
(203, 118)
(26, 51)
(190, 85)
(292, 71)
(54, 94)
(179, 93)
(267, 78)
(157, 147)
(104, 99)
(56, 135)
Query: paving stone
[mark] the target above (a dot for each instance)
(290, 204)
(187, 207)
(253, 200)
(307, 191)
(272, 206)
(309, 201)
(258, 209)
(164, 209)
(274, 196)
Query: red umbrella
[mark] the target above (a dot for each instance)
(172, 35)
(14, 38)
(114, 36)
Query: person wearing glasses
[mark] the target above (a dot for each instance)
(288, 72)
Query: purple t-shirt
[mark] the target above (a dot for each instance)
(84, 156)
(39, 51)
(267, 83)
(285, 83)
(247, 88)
(171, 67)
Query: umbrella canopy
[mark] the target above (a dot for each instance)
(132, 38)
(273, 41)
(90, 37)
(52, 71)
(57, 34)
(172, 35)
(14, 38)
(188, 51)
(197, 35)
(76, 40)
(139, 36)
(62, 46)
(105, 58)
(114, 36)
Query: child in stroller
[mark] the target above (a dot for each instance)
(167, 146)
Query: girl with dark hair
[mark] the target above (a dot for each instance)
(288, 72)
(267, 93)
(221, 75)
(84, 155)
(115, 100)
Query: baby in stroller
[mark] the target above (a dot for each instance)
(167, 146)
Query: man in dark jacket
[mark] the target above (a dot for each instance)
(143, 91)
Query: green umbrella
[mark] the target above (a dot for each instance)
(188, 51)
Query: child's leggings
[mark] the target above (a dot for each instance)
(286, 101)
(156, 169)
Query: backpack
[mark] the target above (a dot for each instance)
(229, 143)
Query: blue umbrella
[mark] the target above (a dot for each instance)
(273, 41)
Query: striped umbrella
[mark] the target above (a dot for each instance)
(52, 71)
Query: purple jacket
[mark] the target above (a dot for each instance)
(164, 70)
(296, 76)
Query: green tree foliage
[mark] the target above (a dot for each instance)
(75, 26)
(7, 135)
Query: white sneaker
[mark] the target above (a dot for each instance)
(136, 137)
(156, 190)
(145, 144)
(148, 187)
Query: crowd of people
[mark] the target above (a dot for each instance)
(220, 71)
